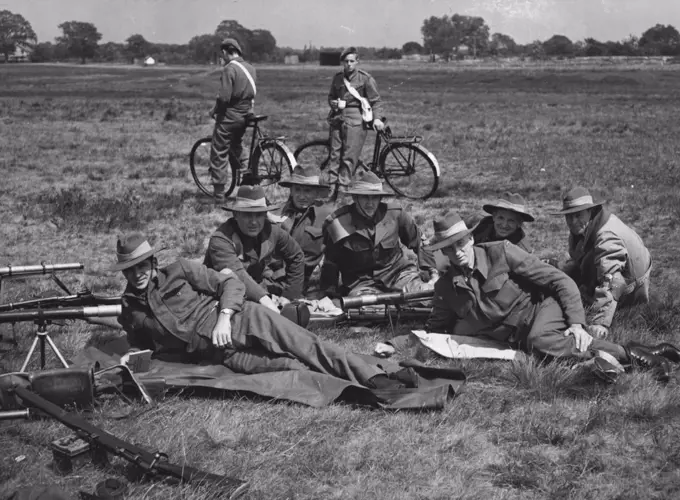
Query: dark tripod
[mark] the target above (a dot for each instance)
(42, 337)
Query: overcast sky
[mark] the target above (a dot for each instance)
(378, 23)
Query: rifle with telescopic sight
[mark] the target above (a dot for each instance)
(16, 271)
(152, 464)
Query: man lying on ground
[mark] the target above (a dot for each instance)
(186, 312)
(248, 243)
(608, 260)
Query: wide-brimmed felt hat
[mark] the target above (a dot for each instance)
(304, 176)
(249, 199)
(367, 184)
(131, 249)
(510, 201)
(448, 229)
(576, 200)
(228, 43)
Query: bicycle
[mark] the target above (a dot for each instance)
(399, 160)
(269, 162)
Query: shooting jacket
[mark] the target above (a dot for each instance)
(359, 249)
(306, 227)
(178, 310)
(611, 265)
(365, 85)
(499, 298)
(251, 258)
(234, 99)
(484, 232)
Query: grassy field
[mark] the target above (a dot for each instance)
(89, 152)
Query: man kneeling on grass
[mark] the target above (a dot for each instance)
(186, 312)
(499, 291)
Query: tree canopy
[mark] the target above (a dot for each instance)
(80, 39)
(15, 31)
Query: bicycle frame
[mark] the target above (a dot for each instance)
(382, 139)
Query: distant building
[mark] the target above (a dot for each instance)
(328, 58)
(149, 61)
(20, 54)
(291, 59)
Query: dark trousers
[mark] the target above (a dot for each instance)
(346, 144)
(266, 341)
(227, 135)
(546, 336)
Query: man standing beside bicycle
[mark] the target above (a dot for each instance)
(354, 101)
(234, 102)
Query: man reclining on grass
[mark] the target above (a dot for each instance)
(499, 291)
(186, 312)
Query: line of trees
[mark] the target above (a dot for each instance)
(451, 37)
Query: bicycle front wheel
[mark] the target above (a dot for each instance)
(316, 153)
(199, 164)
(410, 169)
(274, 162)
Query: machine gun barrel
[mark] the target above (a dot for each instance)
(61, 313)
(62, 300)
(9, 271)
(396, 298)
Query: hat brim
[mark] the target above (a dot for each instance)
(580, 208)
(290, 183)
(446, 242)
(121, 266)
(490, 208)
(360, 192)
(268, 208)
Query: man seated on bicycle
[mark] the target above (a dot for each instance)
(362, 245)
(351, 89)
(303, 215)
(248, 244)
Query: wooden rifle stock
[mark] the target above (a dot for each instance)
(151, 463)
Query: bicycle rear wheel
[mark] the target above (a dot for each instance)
(316, 153)
(199, 164)
(410, 169)
(274, 164)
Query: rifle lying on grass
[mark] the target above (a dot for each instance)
(391, 307)
(151, 464)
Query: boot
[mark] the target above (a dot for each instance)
(668, 351)
(218, 194)
(640, 356)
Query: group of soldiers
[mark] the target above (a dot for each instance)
(486, 281)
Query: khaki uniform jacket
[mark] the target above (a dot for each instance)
(250, 257)
(306, 227)
(611, 264)
(185, 298)
(365, 86)
(359, 248)
(500, 296)
(235, 96)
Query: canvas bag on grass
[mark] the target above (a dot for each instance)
(250, 79)
(366, 110)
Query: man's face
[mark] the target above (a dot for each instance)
(250, 223)
(577, 222)
(461, 253)
(304, 196)
(506, 222)
(367, 205)
(349, 63)
(138, 276)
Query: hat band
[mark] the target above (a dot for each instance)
(368, 186)
(458, 227)
(577, 202)
(301, 179)
(248, 203)
(143, 248)
(511, 206)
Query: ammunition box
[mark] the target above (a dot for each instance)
(71, 453)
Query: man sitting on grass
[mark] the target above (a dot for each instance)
(608, 260)
(248, 244)
(186, 312)
(499, 291)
